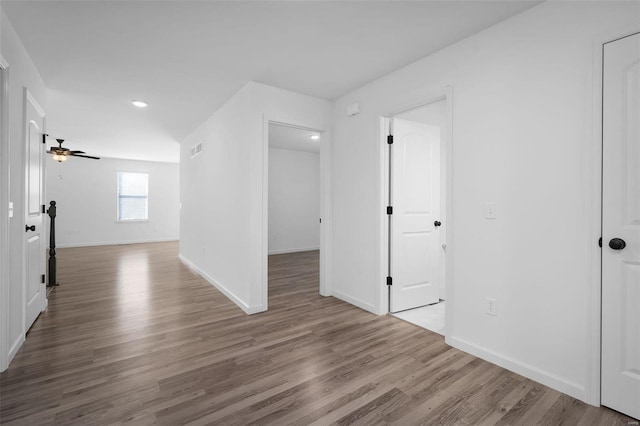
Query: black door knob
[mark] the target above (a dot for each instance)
(437, 223)
(617, 243)
(29, 228)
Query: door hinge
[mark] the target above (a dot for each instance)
(389, 281)
(44, 138)
(390, 139)
(600, 242)
(42, 279)
(389, 209)
(320, 220)
(43, 209)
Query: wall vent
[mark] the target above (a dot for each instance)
(196, 149)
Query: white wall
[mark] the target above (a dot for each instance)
(294, 200)
(22, 73)
(86, 195)
(223, 192)
(522, 113)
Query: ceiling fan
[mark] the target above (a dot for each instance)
(61, 154)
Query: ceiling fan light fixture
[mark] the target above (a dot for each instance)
(139, 104)
(59, 157)
(60, 154)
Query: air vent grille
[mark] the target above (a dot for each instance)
(196, 149)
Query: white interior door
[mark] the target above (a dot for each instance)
(35, 291)
(415, 193)
(621, 222)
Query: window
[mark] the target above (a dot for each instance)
(133, 196)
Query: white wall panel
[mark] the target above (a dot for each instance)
(294, 200)
(86, 195)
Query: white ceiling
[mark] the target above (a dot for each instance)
(186, 58)
(287, 137)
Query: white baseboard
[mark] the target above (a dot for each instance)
(295, 250)
(113, 243)
(530, 372)
(15, 347)
(354, 301)
(249, 310)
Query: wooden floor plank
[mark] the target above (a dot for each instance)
(133, 336)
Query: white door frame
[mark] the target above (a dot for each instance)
(5, 174)
(325, 204)
(594, 219)
(445, 93)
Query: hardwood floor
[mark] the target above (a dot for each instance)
(133, 336)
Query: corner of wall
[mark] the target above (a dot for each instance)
(356, 302)
(248, 309)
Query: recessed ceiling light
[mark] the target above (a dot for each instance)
(315, 137)
(139, 104)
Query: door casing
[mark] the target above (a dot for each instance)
(5, 167)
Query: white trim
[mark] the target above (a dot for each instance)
(15, 347)
(325, 204)
(21, 242)
(448, 150)
(326, 209)
(445, 93)
(533, 373)
(294, 126)
(114, 243)
(133, 220)
(384, 129)
(5, 178)
(594, 221)
(293, 250)
(355, 301)
(224, 290)
(264, 254)
(35, 104)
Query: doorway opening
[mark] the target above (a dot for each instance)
(294, 212)
(417, 225)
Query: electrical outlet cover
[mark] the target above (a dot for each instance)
(492, 307)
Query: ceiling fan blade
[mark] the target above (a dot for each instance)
(77, 152)
(85, 156)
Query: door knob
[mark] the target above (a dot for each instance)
(29, 228)
(617, 243)
(437, 223)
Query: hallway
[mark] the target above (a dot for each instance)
(132, 335)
